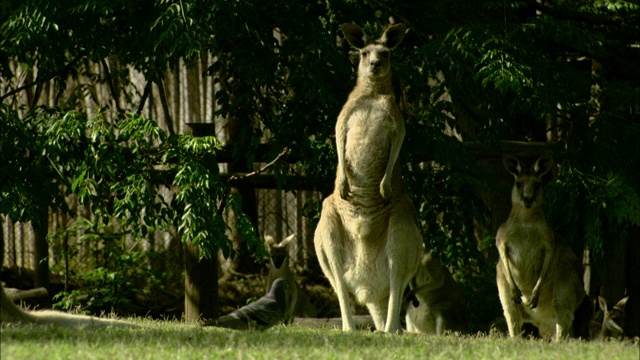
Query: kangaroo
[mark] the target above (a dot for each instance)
(613, 320)
(368, 241)
(437, 304)
(279, 268)
(12, 314)
(538, 277)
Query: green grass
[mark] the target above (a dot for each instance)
(174, 340)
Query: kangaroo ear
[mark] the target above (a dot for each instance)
(620, 305)
(603, 304)
(269, 240)
(354, 34)
(287, 240)
(393, 36)
(427, 258)
(512, 164)
(542, 165)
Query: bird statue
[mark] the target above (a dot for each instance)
(261, 314)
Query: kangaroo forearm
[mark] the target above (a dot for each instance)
(543, 273)
(504, 256)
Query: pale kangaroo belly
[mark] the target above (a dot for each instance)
(367, 275)
(366, 266)
(543, 317)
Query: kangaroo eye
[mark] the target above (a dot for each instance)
(365, 53)
(519, 184)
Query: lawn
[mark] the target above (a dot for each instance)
(175, 340)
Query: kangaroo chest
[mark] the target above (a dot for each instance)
(370, 128)
(526, 249)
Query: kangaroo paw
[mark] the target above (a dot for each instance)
(516, 295)
(344, 189)
(385, 191)
(533, 303)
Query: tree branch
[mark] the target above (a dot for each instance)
(165, 107)
(36, 95)
(235, 177)
(39, 80)
(145, 95)
(112, 87)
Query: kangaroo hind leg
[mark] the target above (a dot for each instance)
(329, 244)
(404, 250)
(378, 311)
(511, 310)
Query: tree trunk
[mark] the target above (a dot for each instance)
(243, 262)
(613, 280)
(200, 285)
(633, 283)
(41, 251)
(2, 242)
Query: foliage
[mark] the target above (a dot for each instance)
(115, 276)
(23, 197)
(202, 197)
(110, 167)
(609, 205)
(488, 70)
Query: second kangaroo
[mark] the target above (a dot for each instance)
(368, 241)
(538, 276)
(610, 321)
(437, 304)
(279, 267)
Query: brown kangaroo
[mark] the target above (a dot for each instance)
(613, 320)
(368, 241)
(437, 304)
(12, 314)
(279, 267)
(538, 277)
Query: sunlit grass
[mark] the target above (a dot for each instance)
(175, 340)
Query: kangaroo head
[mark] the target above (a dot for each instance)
(527, 190)
(374, 55)
(430, 274)
(278, 251)
(614, 318)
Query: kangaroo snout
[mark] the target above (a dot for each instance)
(528, 201)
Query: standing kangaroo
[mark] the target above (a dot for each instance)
(367, 241)
(538, 277)
(279, 268)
